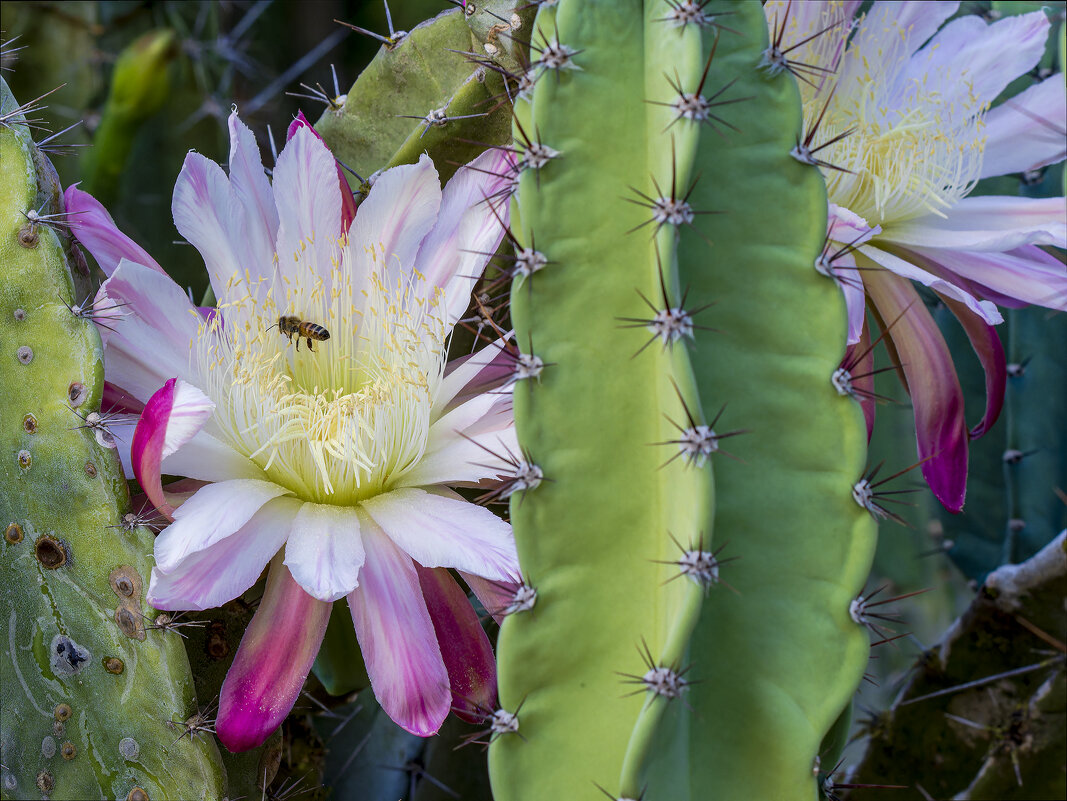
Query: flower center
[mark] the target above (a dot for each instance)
(916, 141)
(342, 421)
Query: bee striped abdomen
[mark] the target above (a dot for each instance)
(291, 326)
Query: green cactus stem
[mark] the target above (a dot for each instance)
(95, 701)
(616, 538)
(778, 660)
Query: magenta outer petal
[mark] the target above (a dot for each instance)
(94, 228)
(397, 637)
(348, 199)
(116, 399)
(990, 353)
(146, 452)
(940, 427)
(493, 595)
(272, 662)
(171, 417)
(465, 648)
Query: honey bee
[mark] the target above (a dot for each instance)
(292, 326)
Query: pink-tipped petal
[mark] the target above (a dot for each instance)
(170, 418)
(325, 551)
(990, 353)
(348, 199)
(940, 427)
(855, 300)
(440, 531)
(207, 213)
(1025, 275)
(214, 513)
(1027, 131)
(394, 219)
(308, 201)
(397, 637)
(255, 198)
(988, 223)
(220, 572)
(272, 662)
(465, 648)
(905, 269)
(155, 333)
(470, 225)
(96, 230)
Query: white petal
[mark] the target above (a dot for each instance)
(207, 214)
(467, 371)
(325, 550)
(469, 226)
(394, 219)
(212, 514)
(439, 531)
(308, 198)
(1027, 131)
(153, 340)
(220, 572)
(461, 445)
(208, 458)
(969, 62)
(254, 197)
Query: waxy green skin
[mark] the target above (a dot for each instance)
(426, 70)
(594, 537)
(778, 660)
(70, 488)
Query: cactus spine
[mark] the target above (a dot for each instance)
(88, 693)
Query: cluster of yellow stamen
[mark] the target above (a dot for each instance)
(344, 422)
(910, 150)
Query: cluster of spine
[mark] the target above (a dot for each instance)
(97, 697)
(675, 302)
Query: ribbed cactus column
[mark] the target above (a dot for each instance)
(616, 539)
(89, 690)
(780, 658)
